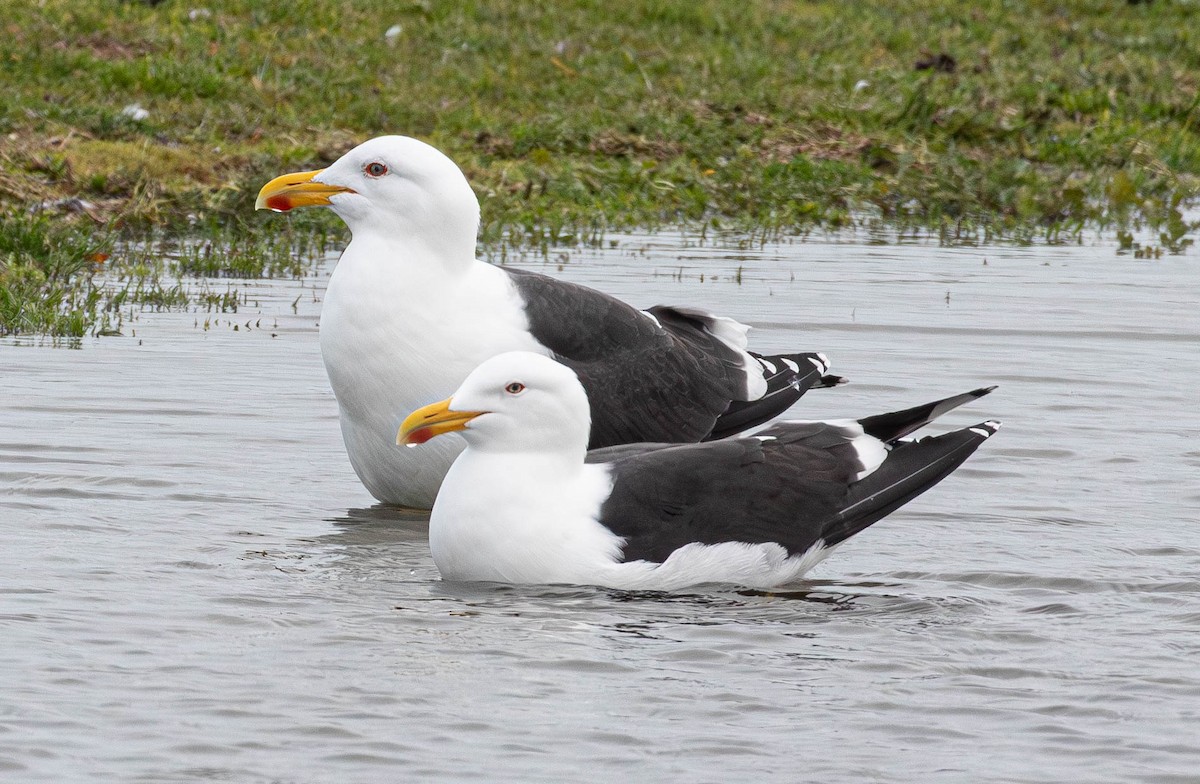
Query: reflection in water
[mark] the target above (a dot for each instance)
(382, 518)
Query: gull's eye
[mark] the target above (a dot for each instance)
(514, 388)
(375, 169)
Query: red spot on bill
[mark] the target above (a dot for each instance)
(278, 203)
(418, 436)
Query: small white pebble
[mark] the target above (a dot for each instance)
(393, 32)
(861, 85)
(134, 111)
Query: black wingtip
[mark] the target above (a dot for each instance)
(910, 469)
(788, 377)
(898, 424)
(821, 363)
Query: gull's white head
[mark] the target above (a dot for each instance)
(392, 186)
(513, 402)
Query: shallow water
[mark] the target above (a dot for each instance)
(194, 586)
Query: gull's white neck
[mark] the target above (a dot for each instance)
(409, 260)
(557, 456)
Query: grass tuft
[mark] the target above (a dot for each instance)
(47, 274)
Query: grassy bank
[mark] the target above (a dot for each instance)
(1020, 120)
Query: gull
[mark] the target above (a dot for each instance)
(526, 502)
(410, 311)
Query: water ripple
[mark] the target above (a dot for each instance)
(197, 588)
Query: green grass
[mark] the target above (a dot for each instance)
(577, 118)
(63, 280)
(46, 279)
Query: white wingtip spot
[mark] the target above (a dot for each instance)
(987, 429)
(794, 367)
(770, 366)
(764, 438)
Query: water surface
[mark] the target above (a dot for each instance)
(194, 586)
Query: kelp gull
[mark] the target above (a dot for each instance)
(526, 503)
(410, 311)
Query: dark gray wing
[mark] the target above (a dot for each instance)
(794, 485)
(611, 454)
(737, 490)
(662, 377)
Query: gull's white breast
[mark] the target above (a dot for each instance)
(398, 332)
(521, 518)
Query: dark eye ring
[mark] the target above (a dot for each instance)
(375, 169)
(514, 388)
